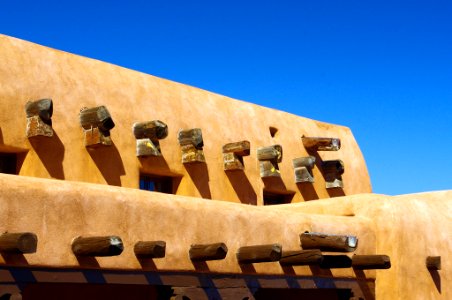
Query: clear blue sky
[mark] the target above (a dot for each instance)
(382, 68)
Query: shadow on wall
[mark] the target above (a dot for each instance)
(436, 279)
(109, 162)
(307, 191)
(154, 164)
(367, 289)
(242, 186)
(336, 192)
(200, 176)
(16, 259)
(50, 151)
(274, 184)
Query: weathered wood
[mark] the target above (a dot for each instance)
(303, 169)
(37, 127)
(96, 117)
(321, 143)
(433, 262)
(301, 257)
(303, 174)
(231, 162)
(307, 161)
(335, 261)
(269, 168)
(203, 252)
(94, 138)
(150, 249)
(191, 137)
(97, 246)
(239, 148)
(367, 262)
(146, 147)
(21, 242)
(190, 154)
(154, 130)
(332, 171)
(42, 108)
(328, 242)
(259, 253)
(274, 153)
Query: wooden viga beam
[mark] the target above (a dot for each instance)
(150, 249)
(368, 262)
(233, 155)
(259, 253)
(328, 242)
(332, 172)
(269, 157)
(301, 257)
(433, 262)
(203, 252)
(148, 135)
(22, 242)
(321, 143)
(191, 143)
(97, 246)
(96, 123)
(39, 118)
(303, 169)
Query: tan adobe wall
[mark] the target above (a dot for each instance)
(408, 229)
(31, 72)
(59, 211)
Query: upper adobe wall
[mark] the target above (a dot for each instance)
(31, 72)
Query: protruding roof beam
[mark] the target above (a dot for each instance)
(303, 169)
(259, 253)
(269, 157)
(39, 118)
(328, 242)
(301, 257)
(97, 246)
(367, 262)
(148, 135)
(203, 252)
(321, 143)
(23, 242)
(433, 262)
(150, 249)
(332, 172)
(191, 143)
(233, 155)
(96, 123)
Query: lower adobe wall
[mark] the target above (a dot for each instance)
(408, 228)
(58, 211)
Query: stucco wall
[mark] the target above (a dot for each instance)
(58, 211)
(31, 72)
(408, 229)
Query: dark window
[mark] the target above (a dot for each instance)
(160, 184)
(275, 198)
(8, 163)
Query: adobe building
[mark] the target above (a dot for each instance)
(120, 185)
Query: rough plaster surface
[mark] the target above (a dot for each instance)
(58, 211)
(31, 72)
(408, 228)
